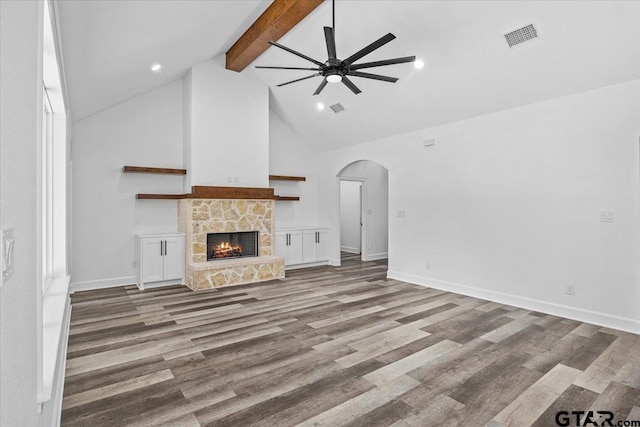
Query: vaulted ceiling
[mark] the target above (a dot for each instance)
(470, 70)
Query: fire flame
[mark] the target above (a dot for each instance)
(225, 249)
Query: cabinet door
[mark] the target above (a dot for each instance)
(309, 239)
(281, 245)
(323, 246)
(173, 258)
(294, 250)
(151, 259)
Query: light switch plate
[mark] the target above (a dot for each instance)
(607, 216)
(402, 213)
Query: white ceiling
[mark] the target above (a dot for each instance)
(108, 46)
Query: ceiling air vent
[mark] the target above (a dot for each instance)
(337, 108)
(521, 35)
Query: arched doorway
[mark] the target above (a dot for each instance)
(364, 210)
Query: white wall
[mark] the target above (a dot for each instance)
(290, 155)
(375, 206)
(350, 216)
(229, 126)
(186, 129)
(20, 124)
(145, 131)
(506, 206)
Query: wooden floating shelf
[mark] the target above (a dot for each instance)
(161, 196)
(284, 198)
(163, 171)
(286, 178)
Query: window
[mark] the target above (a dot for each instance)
(53, 160)
(47, 191)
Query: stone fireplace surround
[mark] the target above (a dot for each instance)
(199, 216)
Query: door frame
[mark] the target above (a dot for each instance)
(364, 251)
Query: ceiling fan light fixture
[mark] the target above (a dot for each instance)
(418, 63)
(336, 70)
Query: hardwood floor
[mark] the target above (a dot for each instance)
(336, 346)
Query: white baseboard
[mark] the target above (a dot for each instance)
(335, 262)
(307, 265)
(103, 283)
(375, 257)
(594, 317)
(154, 285)
(349, 249)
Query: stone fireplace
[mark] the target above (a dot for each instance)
(198, 218)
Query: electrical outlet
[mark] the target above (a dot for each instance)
(569, 289)
(133, 264)
(429, 142)
(402, 213)
(428, 266)
(236, 179)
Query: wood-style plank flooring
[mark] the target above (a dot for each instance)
(333, 346)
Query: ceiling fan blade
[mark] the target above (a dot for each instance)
(384, 62)
(322, 85)
(287, 68)
(301, 55)
(329, 37)
(373, 46)
(348, 83)
(373, 76)
(297, 80)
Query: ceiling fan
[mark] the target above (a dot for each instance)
(336, 70)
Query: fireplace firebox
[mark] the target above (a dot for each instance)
(232, 245)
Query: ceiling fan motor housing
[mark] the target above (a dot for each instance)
(335, 67)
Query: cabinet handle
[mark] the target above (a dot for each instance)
(165, 247)
(161, 248)
(317, 237)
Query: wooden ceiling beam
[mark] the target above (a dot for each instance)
(280, 17)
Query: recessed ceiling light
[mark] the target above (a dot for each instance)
(418, 63)
(334, 78)
(156, 67)
(320, 106)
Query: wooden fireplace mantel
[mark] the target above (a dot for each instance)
(205, 192)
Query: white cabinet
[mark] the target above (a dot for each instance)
(289, 246)
(303, 247)
(316, 245)
(160, 259)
